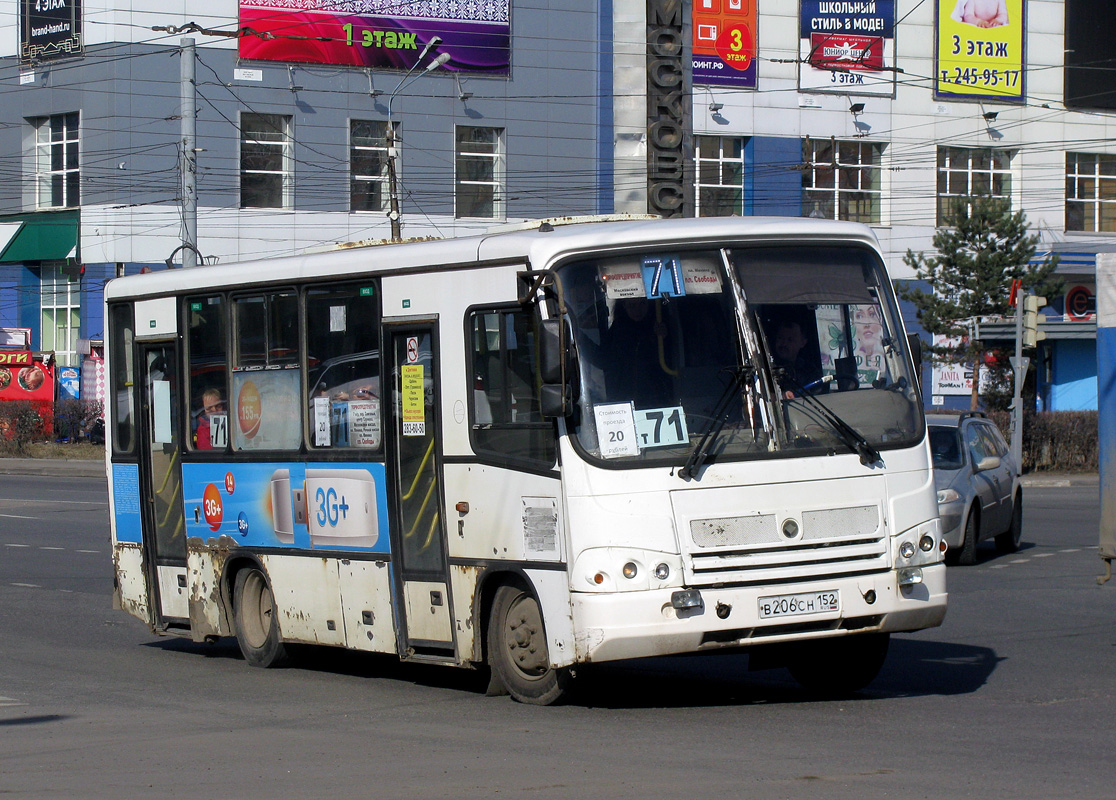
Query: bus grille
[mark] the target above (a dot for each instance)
(753, 549)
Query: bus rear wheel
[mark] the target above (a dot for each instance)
(517, 650)
(257, 629)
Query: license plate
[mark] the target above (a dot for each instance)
(790, 605)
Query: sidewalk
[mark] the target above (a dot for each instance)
(53, 467)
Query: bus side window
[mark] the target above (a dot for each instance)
(505, 419)
(344, 408)
(265, 394)
(122, 380)
(208, 387)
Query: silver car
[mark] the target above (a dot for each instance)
(979, 495)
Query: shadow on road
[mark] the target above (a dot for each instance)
(914, 668)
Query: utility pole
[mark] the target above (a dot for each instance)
(1019, 369)
(187, 66)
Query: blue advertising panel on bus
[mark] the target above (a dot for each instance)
(289, 504)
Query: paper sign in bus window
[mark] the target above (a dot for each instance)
(616, 430)
(414, 400)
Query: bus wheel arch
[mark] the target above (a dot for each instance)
(255, 616)
(516, 642)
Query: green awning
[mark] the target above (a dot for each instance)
(43, 237)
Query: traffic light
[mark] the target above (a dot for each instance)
(1031, 334)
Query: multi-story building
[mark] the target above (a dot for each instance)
(872, 110)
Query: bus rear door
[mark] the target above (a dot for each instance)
(418, 517)
(163, 523)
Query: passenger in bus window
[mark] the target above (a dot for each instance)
(792, 355)
(212, 404)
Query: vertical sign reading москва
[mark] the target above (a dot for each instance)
(668, 118)
(49, 29)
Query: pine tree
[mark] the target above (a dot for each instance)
(981, 251)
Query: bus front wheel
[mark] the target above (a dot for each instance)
(257, 629)
(517, 650)
(841, 666)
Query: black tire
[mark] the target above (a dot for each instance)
(517, 650)
(257, 629)
(839, 667)
(1008, 541)
(968, 554)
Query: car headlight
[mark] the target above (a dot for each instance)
(948, 496)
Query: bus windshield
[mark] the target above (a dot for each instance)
(775, 350)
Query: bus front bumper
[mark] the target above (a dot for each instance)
(623, 625)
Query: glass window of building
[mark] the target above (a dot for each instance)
(265, 161)
(841, 180)
(368, 166)
(61, 315)
(479, 190)
(965, 172)
(720, 175)
(1091, 192)
(57, 173)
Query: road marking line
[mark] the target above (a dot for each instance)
(95, 552)
(11, 701)
(28, 585)
(1044, 555)
(998, 566)
(52, 548)
(17, 545)
(16, 516)
(1020, 561)
(1071, 550)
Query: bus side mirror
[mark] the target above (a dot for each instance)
(556, 368)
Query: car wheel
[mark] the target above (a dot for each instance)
(838, 667)
(517, 650)
(257, 630)
(968, 555)
(1008, 541)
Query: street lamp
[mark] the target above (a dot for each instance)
(393, 179)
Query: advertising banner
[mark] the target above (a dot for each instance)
(724, 43)
(847, 46)
(980, 46)
(48, 30)
(378, 33)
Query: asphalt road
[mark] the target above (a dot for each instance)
(1013, 697)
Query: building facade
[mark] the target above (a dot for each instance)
(879, 111)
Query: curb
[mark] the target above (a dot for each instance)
(1060, 479)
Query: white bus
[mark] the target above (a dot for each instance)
(532, 450)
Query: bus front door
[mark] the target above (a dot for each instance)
(163, 522)
(418, 517)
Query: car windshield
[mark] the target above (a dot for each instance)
(666, 353)
(945, 447)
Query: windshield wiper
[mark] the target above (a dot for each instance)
(720, 416)
(849, 435)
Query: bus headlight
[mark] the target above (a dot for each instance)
(624, 569)
(918, 546)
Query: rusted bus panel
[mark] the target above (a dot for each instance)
(130, 592)
(312, 617)
(366, 602)
(209, 603)
(468, 617)
(552, 588)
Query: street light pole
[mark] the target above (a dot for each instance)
(392, 154)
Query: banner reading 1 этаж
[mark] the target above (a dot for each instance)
(379, 33)
(847, 46)
(980, 50)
